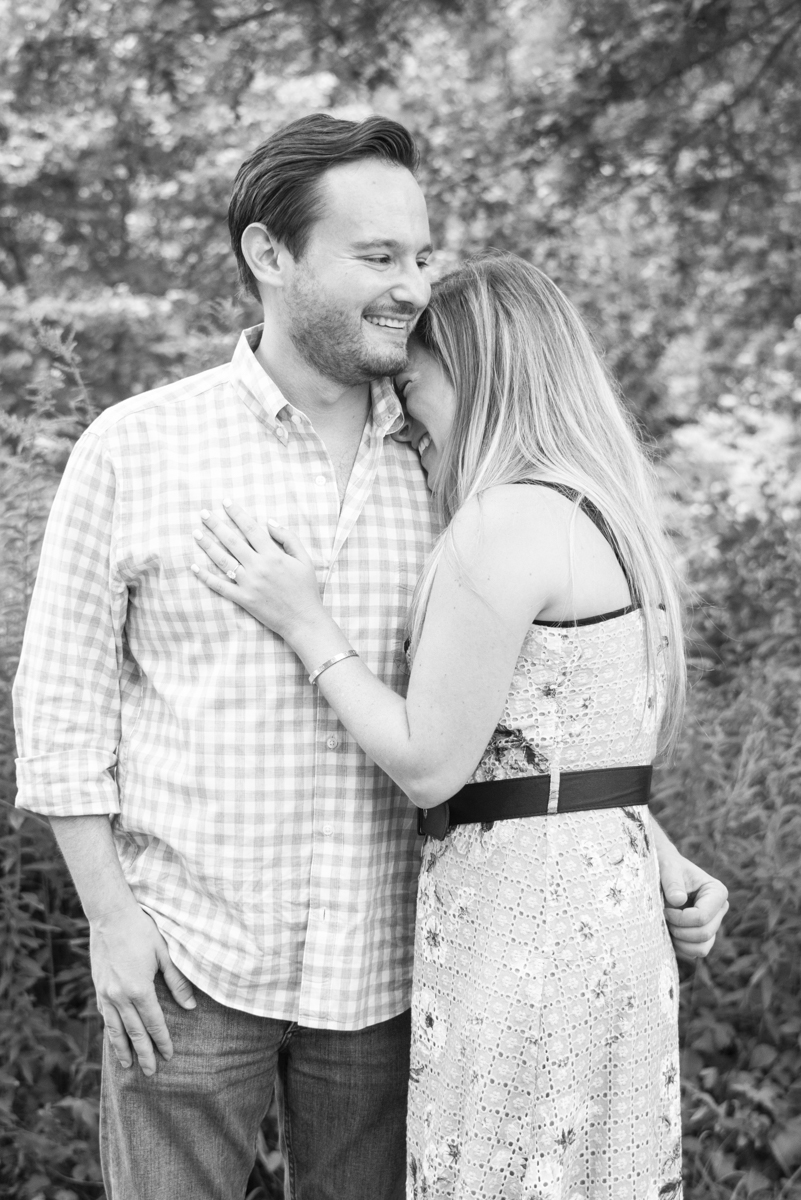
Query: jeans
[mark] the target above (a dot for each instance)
(189, 1132)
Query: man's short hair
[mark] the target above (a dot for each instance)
(278, 185)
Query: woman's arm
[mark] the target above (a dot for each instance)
(509, 558)
(510, 561)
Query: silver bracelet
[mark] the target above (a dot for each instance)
(330, 662)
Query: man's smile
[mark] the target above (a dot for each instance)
(390, 322)
(385, 321)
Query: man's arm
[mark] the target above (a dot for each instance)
(126, 948)
(694, 928)
(67, 710)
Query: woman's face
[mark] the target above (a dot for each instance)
(430, 403)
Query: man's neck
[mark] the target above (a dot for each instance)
(328, 404)
(337, 413)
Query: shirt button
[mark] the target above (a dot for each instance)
(280, 433)
(332, 742)
(328, 830)
(320, 480)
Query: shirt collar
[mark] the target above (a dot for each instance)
(251, 380)
(387, 412)
(253, 383)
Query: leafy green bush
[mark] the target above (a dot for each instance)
(731, 800)
(49, 1026)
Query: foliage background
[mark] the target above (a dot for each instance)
(647, 154)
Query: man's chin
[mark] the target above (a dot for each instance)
(391, 361)
(349, 361)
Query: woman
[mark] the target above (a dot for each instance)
(545, 658)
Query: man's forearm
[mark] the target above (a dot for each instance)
(87, 844)
(125, 945)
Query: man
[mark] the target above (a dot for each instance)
(220, 825)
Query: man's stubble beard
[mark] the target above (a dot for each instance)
(333, 342)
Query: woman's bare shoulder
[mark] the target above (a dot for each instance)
(536, 519)
(514, 545)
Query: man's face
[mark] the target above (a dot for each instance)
(353, 297)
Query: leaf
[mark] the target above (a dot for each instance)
(756, 1182)
(785, 1145)
(762, 1056)
(85, 1112)
(722, 1165)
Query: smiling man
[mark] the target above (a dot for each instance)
(221, 826)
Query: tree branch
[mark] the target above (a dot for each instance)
(714, 52)
(266, 10)
(766, 63)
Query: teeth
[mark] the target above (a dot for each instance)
(423, 444)
(389, 322)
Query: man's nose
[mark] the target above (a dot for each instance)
(412, 287)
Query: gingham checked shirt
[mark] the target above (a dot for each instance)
(277, 860)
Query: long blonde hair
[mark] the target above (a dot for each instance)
(534, 402)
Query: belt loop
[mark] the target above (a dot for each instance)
(553, 793)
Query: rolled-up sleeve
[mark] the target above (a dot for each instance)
(67, 690)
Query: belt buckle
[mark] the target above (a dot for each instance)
(434, 822)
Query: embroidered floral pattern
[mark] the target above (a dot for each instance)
(544, 1013)
(510, 753)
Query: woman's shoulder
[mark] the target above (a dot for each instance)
(514, 542)
(535, 517)
(503, 551)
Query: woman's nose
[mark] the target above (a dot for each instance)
(410, 431)
(404, 434)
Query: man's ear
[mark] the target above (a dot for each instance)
(265, 256)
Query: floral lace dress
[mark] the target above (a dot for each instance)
(544, 1009)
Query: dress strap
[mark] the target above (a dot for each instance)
(595, 515)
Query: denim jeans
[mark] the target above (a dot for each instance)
(189, 1132)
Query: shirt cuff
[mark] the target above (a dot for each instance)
(68, 784)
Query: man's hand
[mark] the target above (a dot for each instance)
(693, 926)
(127, 950)
(126, 947)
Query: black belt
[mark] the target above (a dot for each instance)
(506, 799)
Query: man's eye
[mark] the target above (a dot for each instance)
(423, 263)
(382, 259)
